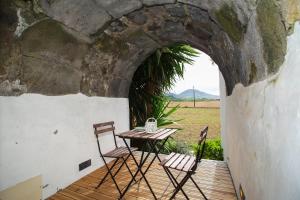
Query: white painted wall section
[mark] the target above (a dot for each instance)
(261, 131)
(51, 135)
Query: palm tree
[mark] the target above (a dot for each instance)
(155, 76)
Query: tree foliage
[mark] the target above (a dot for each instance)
(156, 75)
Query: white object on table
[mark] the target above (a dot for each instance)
(151, 125)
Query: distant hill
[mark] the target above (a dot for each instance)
(188, 95)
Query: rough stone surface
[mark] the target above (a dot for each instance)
(85, 17)
(8, 88)
(157, 2)
(118, 8)
(229, 21)
(138, 17)
(51, 59)
(204, 4)
(273, 33)
(114, 67)
(10, 59)
(291, 12)
(94, 47)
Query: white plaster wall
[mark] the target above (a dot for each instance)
(30, 147)
(261, 131)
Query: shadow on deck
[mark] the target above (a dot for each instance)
(213, 177)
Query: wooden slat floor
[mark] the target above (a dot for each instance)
(213, 177)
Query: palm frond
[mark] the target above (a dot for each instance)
(156, 75)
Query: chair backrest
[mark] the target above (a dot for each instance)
(201, 146)
(102, 128)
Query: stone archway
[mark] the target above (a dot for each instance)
(94, 47)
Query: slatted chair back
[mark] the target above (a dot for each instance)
(200, 147)
(102, 128)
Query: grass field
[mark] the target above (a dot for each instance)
(198, 104)
(193, 119)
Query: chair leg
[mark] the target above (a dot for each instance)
(175, 183)
(170, 177)
(108, 169)
(124, 162)
(129, 169)
(112, 176)
(180, 185)
(198, 188)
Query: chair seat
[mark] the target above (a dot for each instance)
(119, 152)
(179, 162)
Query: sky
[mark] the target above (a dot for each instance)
(203, 75)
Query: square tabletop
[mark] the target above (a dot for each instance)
(160, 134)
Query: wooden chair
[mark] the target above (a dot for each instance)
(117, 153)
(185, 163)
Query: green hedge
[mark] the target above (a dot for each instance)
(213, 149)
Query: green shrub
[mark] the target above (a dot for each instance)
(175, 146)
(213, 149)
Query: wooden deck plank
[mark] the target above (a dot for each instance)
(213, 177)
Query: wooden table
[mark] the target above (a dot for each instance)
(156, 141)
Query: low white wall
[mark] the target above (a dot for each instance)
(51, 135)
(261, 132)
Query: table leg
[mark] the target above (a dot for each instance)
(139, 166)
(156, 152)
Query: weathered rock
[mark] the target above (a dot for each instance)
(107, 72)
(229, 21)
(9, 49)
(51, 59)
(95, 46)
(14, 88)
(86, 17)
(273, 33)
(137, 17)
(119, 8)
(204, 4)
(157, 2)
(117, 26)
(291, 13)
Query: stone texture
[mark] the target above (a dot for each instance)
(14, 88)
(291, 13)
(138, 17)
(107, 72)
(273, 33)
(51, 59)
(204, 4)
(85, 17)
(10, 59)
(157, 2)
(94, 47)
(118, 8)
(229, 21)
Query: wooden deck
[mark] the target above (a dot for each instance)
(213, 177)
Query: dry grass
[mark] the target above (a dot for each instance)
(198, 104)
(193, 119)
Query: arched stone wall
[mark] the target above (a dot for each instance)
(57, 47)
(94, 47)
